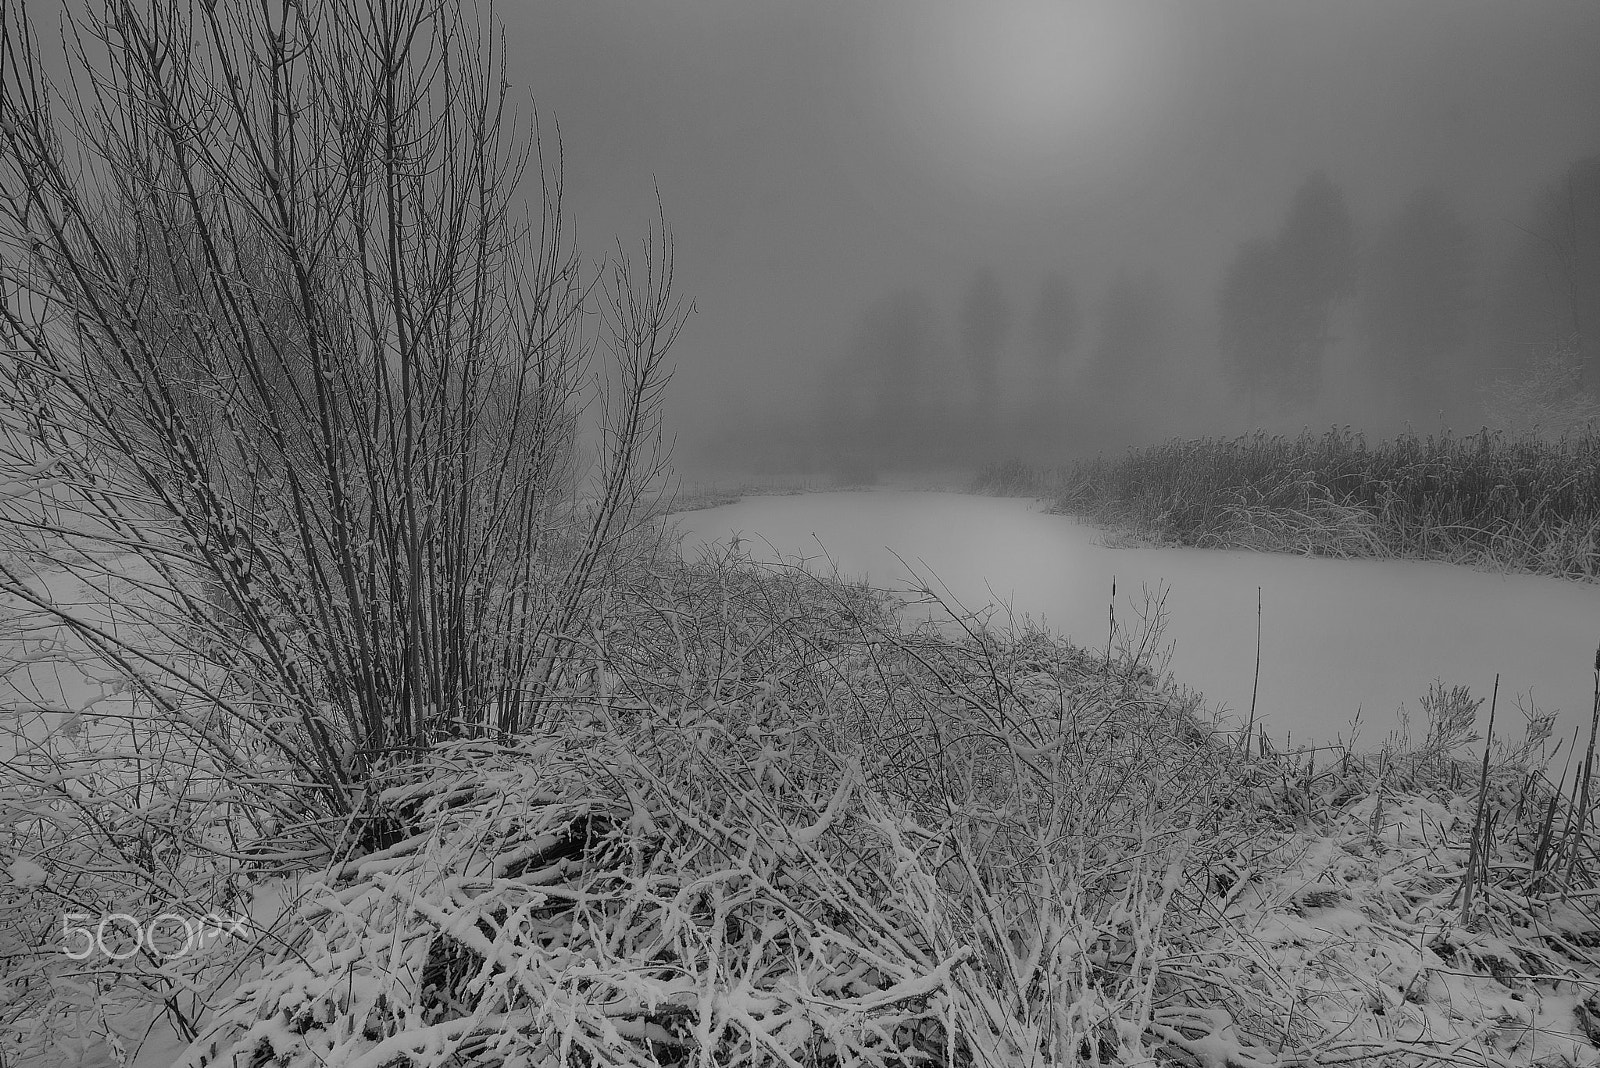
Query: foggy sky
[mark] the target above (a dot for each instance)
(814, 155)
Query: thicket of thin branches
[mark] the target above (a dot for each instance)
(292, 375)
(317, 448)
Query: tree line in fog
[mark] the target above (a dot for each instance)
(1411, 319)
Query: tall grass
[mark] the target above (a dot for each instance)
(1488, 498)
(1014, 478)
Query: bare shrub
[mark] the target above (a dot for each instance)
(317, 447)
(284, 337)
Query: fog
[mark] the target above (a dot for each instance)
(843, 178)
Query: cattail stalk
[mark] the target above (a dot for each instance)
(1478, 856)
(1586, 773)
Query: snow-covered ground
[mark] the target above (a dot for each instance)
(1230, 907)
(1336, 635)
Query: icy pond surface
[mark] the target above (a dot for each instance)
(1337, 635)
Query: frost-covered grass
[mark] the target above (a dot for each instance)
(1014, 478)
(1520, 503)
(771, 825)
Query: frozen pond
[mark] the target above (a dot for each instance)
(1337, 635)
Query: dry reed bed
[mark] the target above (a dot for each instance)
(776, 828)
(1489, 498)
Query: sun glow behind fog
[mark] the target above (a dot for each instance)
(1015, 92)
(1041, 68)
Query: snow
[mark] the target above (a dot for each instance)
(26, 874)
(1337, 635)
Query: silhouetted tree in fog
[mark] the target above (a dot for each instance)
(1278, 299)
(1053, 327)
(1133, 340)
(1251, 324)
(985, 324)
(1317, 261)
(1417, 303)
(1549, 294)
(894, 396)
